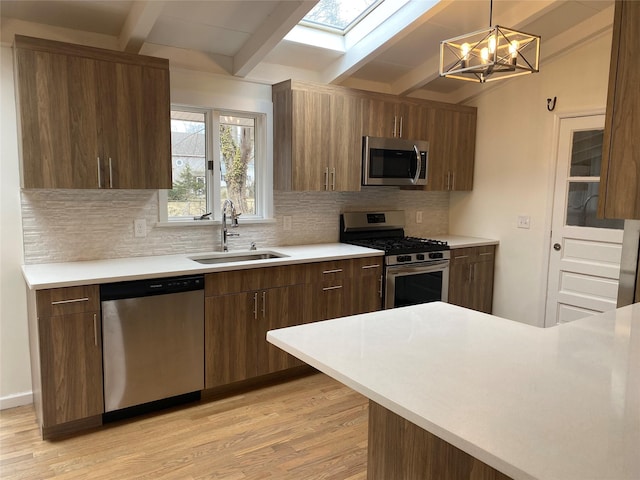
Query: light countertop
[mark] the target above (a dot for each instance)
(557, 403)
(68, 274)
(459, 241)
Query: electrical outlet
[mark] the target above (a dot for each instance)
(286, 223)
(140, 228)
(419, 216)
(524, 221)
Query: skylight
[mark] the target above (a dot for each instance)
(339, 15)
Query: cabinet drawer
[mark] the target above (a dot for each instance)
(68, 300)
(473, 254)
(364, 267)
(329, 272)
(224, 283)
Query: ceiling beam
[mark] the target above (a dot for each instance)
(396, 27)
(141, 19)
(285, 16)
(429, 70)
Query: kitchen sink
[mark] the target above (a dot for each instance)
(230, 257)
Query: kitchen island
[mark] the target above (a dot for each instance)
(452, 389)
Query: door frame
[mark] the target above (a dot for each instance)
(551, 182)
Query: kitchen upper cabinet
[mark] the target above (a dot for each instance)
(452, 139)
(316, 147)
(620, 171)
(240, 308)
(92, 118)
(66, 348)
(384, 117)
(471, 277)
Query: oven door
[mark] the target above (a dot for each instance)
(416, 283)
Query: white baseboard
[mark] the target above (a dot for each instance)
(16, 400)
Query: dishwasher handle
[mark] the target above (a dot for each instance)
(151, 287)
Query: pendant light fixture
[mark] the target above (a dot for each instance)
(490, 54)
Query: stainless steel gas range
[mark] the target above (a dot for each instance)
(416, 270)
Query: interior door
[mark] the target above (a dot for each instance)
(584, 259)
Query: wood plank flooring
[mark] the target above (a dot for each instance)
(308, 428)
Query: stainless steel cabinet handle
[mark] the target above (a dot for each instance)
(338, 270)
(264, 304)
(99, 175)
(255, 306)
(336, 287)
(380, 289)
(364, 267)
(110, 174)
(95, 329)
(453, 181)
(333, 179)
(395, 125)
(449, 180)
(485, 254)
(456, 257)
(73, 300)
(326, 178)
(400, 127)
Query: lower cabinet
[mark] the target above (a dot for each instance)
(471, 277)
(344, 287)
(240, 307)
(66, 356)
(236, 327)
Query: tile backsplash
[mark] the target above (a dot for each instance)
(73, 225)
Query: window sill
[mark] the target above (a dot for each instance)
(209, 223)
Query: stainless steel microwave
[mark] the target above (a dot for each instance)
(394, 161)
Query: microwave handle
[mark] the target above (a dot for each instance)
(418, 165)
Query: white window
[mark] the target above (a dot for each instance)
(217, 155)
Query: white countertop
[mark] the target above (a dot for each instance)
(68, 274)
(557, 403)
(459, 241)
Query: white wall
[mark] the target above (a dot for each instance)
(514, 170)
(15, 376)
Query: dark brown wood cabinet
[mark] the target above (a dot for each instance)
(366, 285)
(240, 308)
(92, 118)
(620, 171)
(471, 277)
(66, 355)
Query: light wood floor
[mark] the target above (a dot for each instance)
(307, 428)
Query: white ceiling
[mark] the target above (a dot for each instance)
(246, 38)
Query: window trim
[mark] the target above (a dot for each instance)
(263, 165)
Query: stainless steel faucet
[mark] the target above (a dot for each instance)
(234, 223)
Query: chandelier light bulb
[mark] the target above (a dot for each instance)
(464, 49)
(492, 44)
(513, 49)
(484, 54)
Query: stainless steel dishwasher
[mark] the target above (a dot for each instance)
(153, 339)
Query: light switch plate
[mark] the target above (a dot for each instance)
(524, 221)
(419, 216)
(140, 228)
(286, 222)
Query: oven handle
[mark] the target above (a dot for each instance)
(418, 165)
(398, 270)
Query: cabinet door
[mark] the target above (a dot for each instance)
(460, 278)
(366, 285)
(620, 172)
(414, 121)
(137, 152)
(379, 118)
(71, 367)
(231, 334)
(311, 152)
(482, 286)
(278, 308)
(462, 150)
(57, 120)
(346, 143)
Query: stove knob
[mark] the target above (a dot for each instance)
(435, 255)
(420, 256)
(404, 258)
